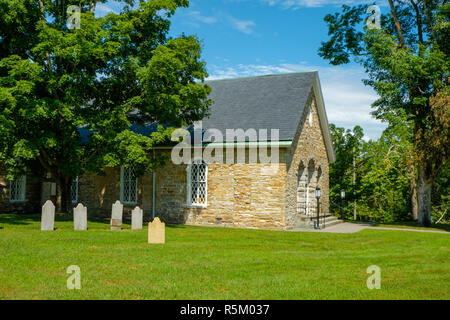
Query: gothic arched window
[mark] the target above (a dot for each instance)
(197, 183)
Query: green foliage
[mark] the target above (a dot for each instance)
(345, 39)
(404, 74)
(347, 144)
(381, 188)
(112, 72)
(385, 194)
(441, 197)
(407, 63)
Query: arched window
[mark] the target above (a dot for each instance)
(310, 116)
(128, 186)
(310, 187)
(197, 183)
(74, 191)
(17, 189)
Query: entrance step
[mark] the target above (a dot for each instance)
(331, 221)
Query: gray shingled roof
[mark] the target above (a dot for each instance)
(262, 102)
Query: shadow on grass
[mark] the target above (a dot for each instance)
(99, 220)
(176, 226)
(26, 219)
(412, 224)
(19, 219)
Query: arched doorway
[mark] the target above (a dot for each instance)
(308, 180)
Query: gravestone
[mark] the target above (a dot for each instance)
(48, 216)
(136, 218)
(156, 231)
(80, 217)
(116, 216)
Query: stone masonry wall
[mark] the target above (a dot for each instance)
(99, 192)
(32, 195)
(308, 145)
(239, 195)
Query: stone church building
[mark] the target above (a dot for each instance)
(247, 194)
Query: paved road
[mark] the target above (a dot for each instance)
(348, 227)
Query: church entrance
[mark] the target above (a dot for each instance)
(308, 180)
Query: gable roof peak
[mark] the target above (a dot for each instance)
(272, 75)
(263, 102)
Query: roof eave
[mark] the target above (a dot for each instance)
(323, 120)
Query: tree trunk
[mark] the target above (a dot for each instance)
(424, 185)
(64, 196)
(413, 190)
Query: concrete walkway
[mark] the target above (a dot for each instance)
(345, 227)
(348, 227)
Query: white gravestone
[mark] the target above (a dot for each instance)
(80, 217)
(116, 216)
(136, 218)
(48, 216)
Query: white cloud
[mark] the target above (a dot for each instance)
(196, 15)
(196, 18)
(347, 99)
(103, 9)
(244, 26)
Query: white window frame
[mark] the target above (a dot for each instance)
(21, 197)
(189, 185)
(74, 191)
(122, 187)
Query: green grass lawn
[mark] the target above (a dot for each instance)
(413, 225)
(218, 263)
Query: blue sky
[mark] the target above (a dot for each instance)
(256, 37)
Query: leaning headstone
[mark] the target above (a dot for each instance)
(136, 218)
(80, 217)
(48, 216)
(156, 231)
(116, 216)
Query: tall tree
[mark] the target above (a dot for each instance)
(385, 176)
(407, 62)
(382, 184)
(345, 171)
(69, 94)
